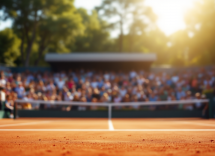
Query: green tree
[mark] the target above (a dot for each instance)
(127, 12)
(9, 47)
(30, 16)
(55, 32)
(177, 53)
(201, 23)
(95, 37)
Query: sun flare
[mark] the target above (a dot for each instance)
(170, 13)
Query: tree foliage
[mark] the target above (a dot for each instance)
(130, 13)
(57, 26)
(9, 47)
(201, 22)
(95, 38)
(32, 17)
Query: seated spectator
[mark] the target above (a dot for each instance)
(41, 87)
(51, 87)
(105, 98)
(60, 83)
(96, 94)
(189, 97)
(9, 105)
(94, 83)
(2, 79)
(198, 105)
(135, 99)
(70, 84)
(142, 98)
(20, 90)
(2, 99)
(1, 103)
(8, 88)
(68, 97)
(107, 84)
(152, 97)
(75, 99)
(83, 108)
(117, 99)
(94, 100)
(122, 91)
(180, 93)
(126, 98)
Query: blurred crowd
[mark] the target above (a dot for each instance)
(106, 87)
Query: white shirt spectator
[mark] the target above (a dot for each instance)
(151, 76)
(68, 97)
(60, 84)
(140, 80)
(50, 87)
(107, 85)
(107, 76)
(3, 96)
(122, 92)
(133, 74)
(30, 78)
(139, 94)
(56, 78)
(94, 84)
(3, 82)
(175, 79)
(117, 99)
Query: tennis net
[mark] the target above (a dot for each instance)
(183, 108)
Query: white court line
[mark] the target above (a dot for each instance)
(21, 124)
(110, 125)
(106, 130)
(201, 124)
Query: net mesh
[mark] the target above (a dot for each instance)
(183, 108)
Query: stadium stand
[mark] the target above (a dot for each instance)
(105, 87)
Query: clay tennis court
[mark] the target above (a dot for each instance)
(107, 137)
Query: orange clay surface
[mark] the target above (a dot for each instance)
(130, 137)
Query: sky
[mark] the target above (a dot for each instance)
(170, 13)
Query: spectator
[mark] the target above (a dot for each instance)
(51, 87)
(122, 91)
(82, 108)
(20, 90)
(198, 105)
(105, 98)
(152, 97)
(9, 105)
(3, 95)
(70, 84)
(60, 83)
(2, 80)
(180, 93)
(1, 103)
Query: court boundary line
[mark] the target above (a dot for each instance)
(110, 125)
(107, 130)
(23, 124)
(200, 124)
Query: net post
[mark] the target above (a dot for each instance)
(211, 108)
(109, 111)
(14, 110)
(210, 105)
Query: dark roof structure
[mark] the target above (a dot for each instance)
(100, 61)
(97, 57)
